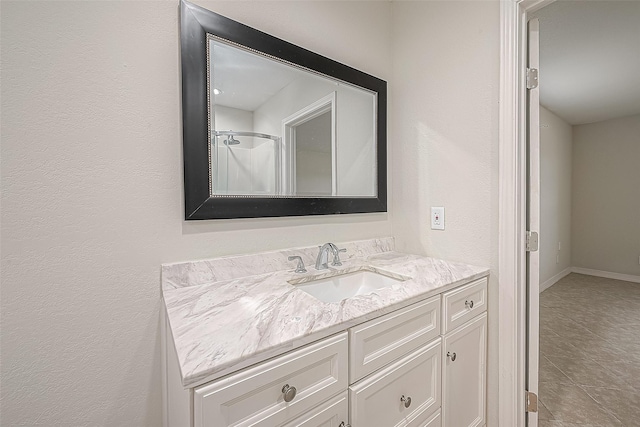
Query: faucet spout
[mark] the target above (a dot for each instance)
(323, 255)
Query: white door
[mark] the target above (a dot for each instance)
(533, 213)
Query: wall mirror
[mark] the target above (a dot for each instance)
(272, 129)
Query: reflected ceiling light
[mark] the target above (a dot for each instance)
(217, 91)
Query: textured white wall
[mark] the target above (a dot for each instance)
(444, 109)
(92, 193)
(91, 179)
(227, 118)
(555, 195)
(606, 196)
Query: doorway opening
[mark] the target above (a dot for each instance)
(513, 173)
(309, 153)
(589, 127)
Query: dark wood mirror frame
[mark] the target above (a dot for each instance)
(195, 24)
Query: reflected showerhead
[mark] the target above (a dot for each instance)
(231, 141)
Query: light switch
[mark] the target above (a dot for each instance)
(437, 218)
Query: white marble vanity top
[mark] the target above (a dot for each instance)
(224, 318)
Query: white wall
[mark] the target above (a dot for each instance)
(555, 197)
(92, 198)
(227, 118)
(606, 196)
(92, 179)
(290, 99)
(356, 152)
(444, 109)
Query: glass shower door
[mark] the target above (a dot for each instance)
(246, 164)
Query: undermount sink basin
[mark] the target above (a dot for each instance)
(346, 285)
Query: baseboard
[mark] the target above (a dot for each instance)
(607, 274)
(552, 281)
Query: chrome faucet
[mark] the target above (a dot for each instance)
(300, 268)
(323, 256)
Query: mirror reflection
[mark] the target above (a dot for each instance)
(281, 130)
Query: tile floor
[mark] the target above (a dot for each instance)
(590, 353)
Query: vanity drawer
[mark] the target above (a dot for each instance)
(379, 342)
(376, 400)
(463, 304)
(329, 414)
(255, 397)
(434, 421)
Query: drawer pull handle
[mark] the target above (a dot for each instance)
(469, 304)
(406, 401)
(289, 393)
(452, 356)
(342, 424)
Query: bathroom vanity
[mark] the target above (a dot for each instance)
(250, 342)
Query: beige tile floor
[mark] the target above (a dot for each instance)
(590, 353)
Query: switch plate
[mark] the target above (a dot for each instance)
(437, 218)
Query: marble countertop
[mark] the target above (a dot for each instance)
(222, 325)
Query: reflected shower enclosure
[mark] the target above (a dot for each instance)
(246, 163)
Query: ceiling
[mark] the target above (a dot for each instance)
(246, 80)
(590, 59)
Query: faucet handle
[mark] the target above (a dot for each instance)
(300, 267)
(336, 256)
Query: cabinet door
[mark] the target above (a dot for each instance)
(404, 394)
(329, 414)
(464, 374)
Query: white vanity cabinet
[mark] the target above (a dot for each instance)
(464, 355)
(421, 366)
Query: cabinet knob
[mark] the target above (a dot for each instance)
(289, 393)
(406, 401)
(469, 303)
(342, 424)
(452, 356)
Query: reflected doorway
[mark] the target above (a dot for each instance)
(310, 149)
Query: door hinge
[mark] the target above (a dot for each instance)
(531, 400)
(531, 244)
(532, 78)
